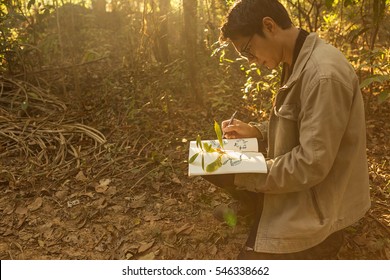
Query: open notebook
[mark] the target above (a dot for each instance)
(239, 156)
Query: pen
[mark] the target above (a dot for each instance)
(230, 121)
(232, 118)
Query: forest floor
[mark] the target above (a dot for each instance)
(129, 196)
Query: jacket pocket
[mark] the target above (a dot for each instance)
(286, 128)
(288, 111)
(316, 205)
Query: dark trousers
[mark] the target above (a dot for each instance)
(250, 201)
(253, 202)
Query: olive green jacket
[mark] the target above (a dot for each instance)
(317, 180)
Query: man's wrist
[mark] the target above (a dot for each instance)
(256, 131)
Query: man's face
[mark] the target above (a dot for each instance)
(260, 50)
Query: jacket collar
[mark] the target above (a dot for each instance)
(302, 59)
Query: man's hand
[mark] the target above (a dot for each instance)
(239, 129)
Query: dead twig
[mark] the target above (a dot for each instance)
(64, 67)
(380, 223)
(143, 177)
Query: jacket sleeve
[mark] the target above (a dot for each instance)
(324, 116)
(262, 142)
(263, 128)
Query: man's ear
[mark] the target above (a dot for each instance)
(268, 24)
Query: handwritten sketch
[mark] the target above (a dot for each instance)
(215, 144)
(238, 144)
(241, 144)
(233, 161)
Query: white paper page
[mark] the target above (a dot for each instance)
(244, 144)
(232, 162)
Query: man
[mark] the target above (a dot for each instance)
(317, 180)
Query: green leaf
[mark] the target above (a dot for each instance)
(193, 158)
(203, 161)
(383, 96)
(24, 105)
(329, 3)
(208, 148)
(230, 218)
(348, 3)
(30, 3)
(199, 142)
(373, 79)
(214, 165)
(218, 131)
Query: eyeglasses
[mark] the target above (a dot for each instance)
(245, 52)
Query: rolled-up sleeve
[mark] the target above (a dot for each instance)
(263, 141)
(263, 128)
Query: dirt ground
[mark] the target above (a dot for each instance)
(129, 196)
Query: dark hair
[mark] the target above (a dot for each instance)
(246, 18)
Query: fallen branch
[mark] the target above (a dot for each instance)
(47, 144)
(22, 97)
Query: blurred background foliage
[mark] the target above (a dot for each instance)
(95, 90)
(169, 42)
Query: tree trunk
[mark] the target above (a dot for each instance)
(190, 36)
(165, 6)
